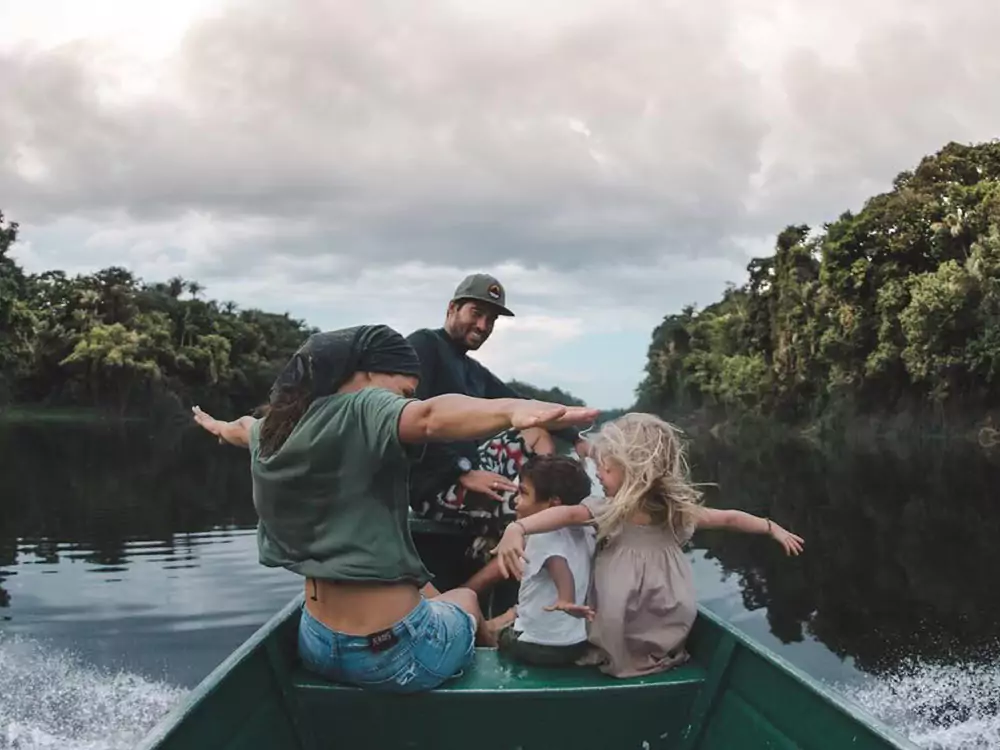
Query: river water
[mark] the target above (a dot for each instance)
(128, 571)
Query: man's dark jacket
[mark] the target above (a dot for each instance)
(446, 367)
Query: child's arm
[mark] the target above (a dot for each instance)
(562, 577)
(510, 551)
(235, 433)
(737, 520)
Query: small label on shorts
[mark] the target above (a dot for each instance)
(382, 640)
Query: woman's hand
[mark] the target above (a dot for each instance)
(791, 542)
(510, 552)
(581, 611)
(550, 416)
(235, 433)
(208, 422)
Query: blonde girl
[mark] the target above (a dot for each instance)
(642, 599)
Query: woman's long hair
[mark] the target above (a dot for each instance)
(650, 453)
(281, 416)
(322, 365)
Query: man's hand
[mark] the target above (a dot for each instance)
(582, 448)
(487, 483)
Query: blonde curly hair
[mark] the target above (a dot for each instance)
(650, 453)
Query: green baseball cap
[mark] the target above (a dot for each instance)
(483, 288)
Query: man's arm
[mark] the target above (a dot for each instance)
(422, 342)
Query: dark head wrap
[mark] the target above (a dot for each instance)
(328, 360)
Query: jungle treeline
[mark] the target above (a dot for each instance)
(891, 310)
(110, 341)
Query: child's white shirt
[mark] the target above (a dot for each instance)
(576, 545)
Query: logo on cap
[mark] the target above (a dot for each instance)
(494, 291)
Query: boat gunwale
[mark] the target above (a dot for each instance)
(175, 716)
(214, 679)
(840, 701)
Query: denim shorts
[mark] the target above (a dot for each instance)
(429, 646)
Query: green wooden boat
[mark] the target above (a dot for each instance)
(732, 695)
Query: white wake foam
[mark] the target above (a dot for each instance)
(49, 700)
(939, 707)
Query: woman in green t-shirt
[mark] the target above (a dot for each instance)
(330, 466)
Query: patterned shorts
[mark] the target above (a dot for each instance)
(483, 516)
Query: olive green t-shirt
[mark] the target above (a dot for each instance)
(333, 501)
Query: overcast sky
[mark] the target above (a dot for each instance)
(608, 160)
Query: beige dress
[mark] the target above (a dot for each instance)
(642, 592)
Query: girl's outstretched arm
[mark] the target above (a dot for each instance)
(737, 520)
(235, 433)
(510, 551)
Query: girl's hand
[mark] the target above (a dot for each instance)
(576, 610)
(791, 542)
(208, 422)
(510, 552)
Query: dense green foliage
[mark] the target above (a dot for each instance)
(110, 340)
(895, 308)
(107, 339)
(553, 395)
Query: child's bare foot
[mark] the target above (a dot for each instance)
(486, 636)
(490, 629)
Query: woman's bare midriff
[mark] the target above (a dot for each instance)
(359, 608)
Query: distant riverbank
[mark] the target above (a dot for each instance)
(67, 414)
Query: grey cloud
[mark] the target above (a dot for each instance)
(405, 134)
(918, 78)
(382, 133)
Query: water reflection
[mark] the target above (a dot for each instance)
(134, 549)
(900, 545)
(105, 484)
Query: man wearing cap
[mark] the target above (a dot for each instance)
(468, 483)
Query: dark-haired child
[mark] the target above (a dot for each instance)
(548, 625)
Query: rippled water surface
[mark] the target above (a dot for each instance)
(128, 571)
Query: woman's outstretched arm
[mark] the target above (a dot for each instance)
(235, 433)
(457, 417)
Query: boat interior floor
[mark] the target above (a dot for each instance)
(500, 704)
